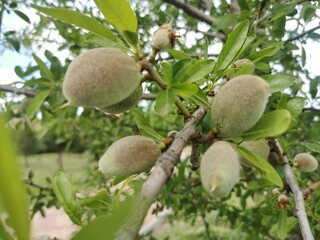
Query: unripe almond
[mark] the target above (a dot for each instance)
(305, 162)
(101, 77)
(125, 104)
(219, 169)
(241, 62)
(164, 37)
(260, 148)
(129, 155)
(239, 104)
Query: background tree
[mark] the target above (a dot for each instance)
(178, 83)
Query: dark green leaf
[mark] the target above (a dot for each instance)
(165, 102)
(45, 71)
(225, 21)
(200, 98)
(119, 14)
(314, 84)
(266, 52)
(270, 125)
(36, 103)
(185, 90)
(131, 38)
(279, 82)
(179, 69)
(22, 16)
(78, 19)
(63, 190)
(198, 71)
(295, 106)
(166, 71)
(314, 147)
(232, 47)
(261, 164)
(4, 235)
(12, 191)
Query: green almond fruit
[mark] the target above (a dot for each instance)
(101, 77)
(239, 104)
(125, 104)
(219, 169)
(305, 162)
(259, 147)
(129, 155)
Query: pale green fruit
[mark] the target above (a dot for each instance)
(305, 162)
(239, 104)
(161, 38)
(260, 148)
(241, 62)
(129, 155)
(101, 77)
(219, 169)
(125, 104)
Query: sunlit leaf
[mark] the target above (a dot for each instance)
(178, 54)
(185, 89)
(295, 106)
(278, 82)
(198, 71)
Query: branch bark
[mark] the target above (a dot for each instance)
(297, 194)
(15, 90)
(160, 175)
(302, 34)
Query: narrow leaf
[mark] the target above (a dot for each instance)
(178, 54)
(314, 147)
(45, 71)
(185, 90)
(179, 70)
(22, 15)
(232, 47)
(200, 98)
(266, 52)
(165, 102)
(166, 71)
(78, 19)
(282, 224)
(270, 173)
(101, 199)
(198, 71)
(278, 82)
(119, 14)
(63, 190)
(36, 103)
(105, 42)
(12, 191)
(270, 125)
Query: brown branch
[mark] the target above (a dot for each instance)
(160, 175)
(150, 96)
(191, 11)
(15, 90)
(311, 109)
(311, 188)
(297, 194)
(302, 34)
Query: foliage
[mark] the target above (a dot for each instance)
(256, 31)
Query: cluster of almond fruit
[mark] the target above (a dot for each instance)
(110, 80)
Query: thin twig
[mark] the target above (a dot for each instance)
(31, 183)
(311, 109)
(311, 188)
(302, 34)
(160, 175)
(15, 90)
(297, 193)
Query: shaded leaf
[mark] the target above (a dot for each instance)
(198, 71)
(105, 42)
(270, 125)
(36, 103)
(200, 98)
(278, 82)
(178, 54)
(282, 224)
(64, 192)
(12, 191)
(165, 102)
(185, 90)
(166, 71)
(295, 106)
(45, 71)
(314, 147)
(101, 199)
(22, 15)
(266, 52)
(179, 70)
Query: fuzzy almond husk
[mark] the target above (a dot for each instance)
(129, 155)
(101, 77)
(219, 169)
(305, 162)
(239, 104)
(259, 147)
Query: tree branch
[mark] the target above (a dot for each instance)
(311, 188)
(24, 91)
(160, 175)
(311, 109)
(297, 193)
(302, 34)
(191, 11)
(150, 96)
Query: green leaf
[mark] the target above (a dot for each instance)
(104, 42)
(200, 98)
(178, 54)
(279, 82)
(4, 235)
(232, 47)
(185, 90)
(179, 69)
(45, 71)
(282, 224)
(314, 147)
(295, 106)
(78, 19)
(166, 71)
(270, 173)
(12, 190)
(270, 125)
(165, 102)
(244, 70)
(132, 38)
(101, 199)
(119, 14)
(144, 126)
(314, 83)
(36, 103)
(280, 10)
(198, 71)
(64, 192)
(105, 227)
(266, 52)
(118, 180)
(22, 16)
